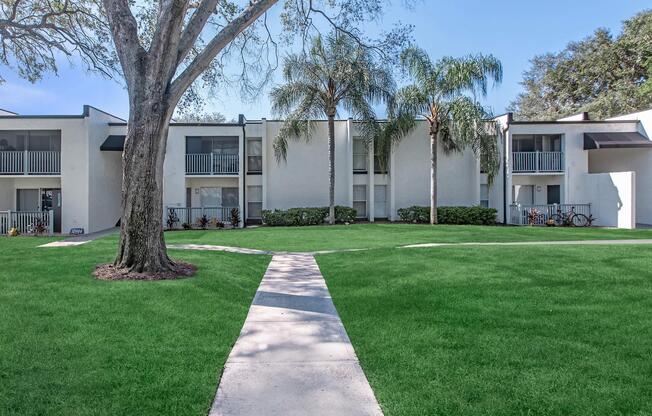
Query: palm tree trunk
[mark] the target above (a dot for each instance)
(331, 169)
(433, 174)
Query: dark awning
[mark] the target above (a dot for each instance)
(615, 140)
(113, 144)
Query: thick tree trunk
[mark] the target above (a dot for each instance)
(142, 246)
(331, 169)
(433, 174)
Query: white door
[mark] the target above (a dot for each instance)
(380, 201)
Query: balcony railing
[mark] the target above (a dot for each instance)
(30, 162)
(211, 164)
(519, 213)
(537, 162)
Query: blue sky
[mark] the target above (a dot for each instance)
(514, 31)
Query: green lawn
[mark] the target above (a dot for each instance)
(501, 330)
(386, 236)
(72, 345)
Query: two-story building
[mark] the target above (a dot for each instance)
(70, 168)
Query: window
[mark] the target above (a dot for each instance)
(34, 140)
(218, 197)
(484, 195)
(254, 154)
(536, 142)
(254, 202)
(360, 200)
(380, 201)
(359, 155)
(225, 145)
(27, 200)
(523, 194)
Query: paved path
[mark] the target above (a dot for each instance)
(81, 239)
(293, 356)
(241, 250)
(537, 243)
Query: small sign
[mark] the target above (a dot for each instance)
(76, 231)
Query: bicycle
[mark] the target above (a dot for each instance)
(570, 219)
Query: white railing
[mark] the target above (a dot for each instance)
(211, 164)
(192, 216)
(30, 162)
(27, 222)
(519, 213)
(537, 162)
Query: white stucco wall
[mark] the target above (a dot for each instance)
(458, 174)
(624, 160)
(303, 179)
(612, 196)
(105, 173)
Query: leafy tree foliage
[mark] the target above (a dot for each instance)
(602, 74)
(337, 72)
(34, 32)
(444, 93)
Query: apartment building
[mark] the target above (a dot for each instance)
(69, 167)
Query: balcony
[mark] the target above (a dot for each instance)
(537, 162)
(30, 162)
(212, 164)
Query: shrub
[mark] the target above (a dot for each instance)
(306, 216)
(415, 214)
(345, 214)
(235, 217)
(475, 215)
(186, 226)
(39, 227)
(203, 222)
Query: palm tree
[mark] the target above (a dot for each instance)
(335, 72)
(445, 94)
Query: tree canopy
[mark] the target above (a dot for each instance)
(604, 75)
(34, 33)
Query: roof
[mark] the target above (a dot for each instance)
(615, 140)
(113, 143)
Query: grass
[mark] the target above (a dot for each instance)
(500, 330)
(72, 345)
(386, 236)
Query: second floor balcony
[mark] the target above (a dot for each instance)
(30, 162)
(212, 164)
(537, 162)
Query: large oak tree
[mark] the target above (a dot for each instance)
(180, 43)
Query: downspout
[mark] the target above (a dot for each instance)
(510, 118)
(241, 120)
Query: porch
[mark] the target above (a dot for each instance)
(518, 213)
(176, 217)
(27, 222)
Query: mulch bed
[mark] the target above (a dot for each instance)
(110, 272)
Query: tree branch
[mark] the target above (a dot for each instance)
(194, 28)
(203, 60)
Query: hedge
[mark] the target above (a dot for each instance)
(476, 215)
(306, 216)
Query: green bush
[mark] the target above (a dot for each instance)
(306, 216)
(415, 214)
(476, 215)
(345, 214)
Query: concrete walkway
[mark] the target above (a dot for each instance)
(82, 239)
(293, 356)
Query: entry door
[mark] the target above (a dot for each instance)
(524, 194)
(554, 194)
(51, 201)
